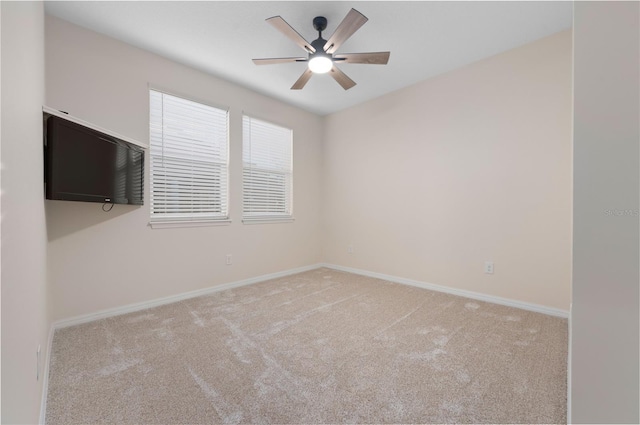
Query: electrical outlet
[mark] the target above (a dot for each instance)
(488, 267)
(229, 260)
(38, 364)
(350, 249)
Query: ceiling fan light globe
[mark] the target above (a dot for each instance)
(320, 64)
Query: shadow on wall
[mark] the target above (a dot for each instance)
(67, 217)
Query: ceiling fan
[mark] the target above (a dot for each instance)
(321, 53)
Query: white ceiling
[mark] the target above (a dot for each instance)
(221, 38)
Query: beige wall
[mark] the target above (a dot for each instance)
(431, 181)
(101, 260)
(426, 183)
(605, 312)
(25, 315)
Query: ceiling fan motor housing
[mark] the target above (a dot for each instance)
(318, 44)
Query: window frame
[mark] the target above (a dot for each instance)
(225, 193)
(269, 218)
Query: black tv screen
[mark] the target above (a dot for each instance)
(83, 164)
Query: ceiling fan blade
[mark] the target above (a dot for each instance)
(273, 61)
(350, 24)
(281, 25)
(302, 80)
(342, 78)
(374, 58)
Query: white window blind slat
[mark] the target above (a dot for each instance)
(189, 159)
(267, 170)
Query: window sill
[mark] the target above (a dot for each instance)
(268, 220)
(188, 223)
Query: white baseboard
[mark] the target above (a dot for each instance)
(130, 308)
(45, 377)
(460, 292)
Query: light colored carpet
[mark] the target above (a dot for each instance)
(317, 347)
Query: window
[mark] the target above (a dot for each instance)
(267, 170)
(189, 161)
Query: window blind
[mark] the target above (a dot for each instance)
(189, 160)
(267, 170)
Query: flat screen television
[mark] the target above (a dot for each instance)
(82, 164)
